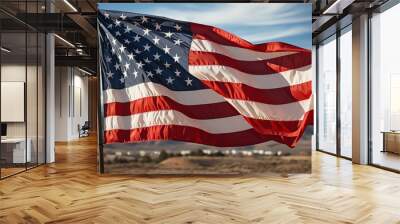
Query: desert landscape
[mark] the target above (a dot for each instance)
(172, 157)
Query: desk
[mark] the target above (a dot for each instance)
(391, 141)
(13, 150)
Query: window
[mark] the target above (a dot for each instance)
(385, 89)
(22, 76)
(327, 95)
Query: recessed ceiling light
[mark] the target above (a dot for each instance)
(64, 40)
(5, 50)
(337, 7)
(84, 71)
(70, 5)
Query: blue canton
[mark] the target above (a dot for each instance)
(136, 48)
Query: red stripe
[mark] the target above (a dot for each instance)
(240, 91)
(261, 67)
(204, 32)
(266, 127)
(147, 104)
(190, 134)
(286, 128)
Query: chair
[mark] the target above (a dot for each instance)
(84, 130)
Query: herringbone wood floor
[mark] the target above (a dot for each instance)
(70, 191)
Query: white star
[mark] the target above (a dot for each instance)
(116, 66)
(123, 17)
(130, 56)
(140, 64)
(119, 57)
(189, 81)
(125, 73)
(136, 38)
(113, 50)
(122, 80)
(147, 47)
(109, 74)
(176, 58)
(114, 41)
(168, 34)
(137, 51)
(158, 71)
(146, 32)
(117, 22)
(128, 29)
(136, 23)
(110, 26)
(177, 73)
(149, 74)
(177, 42)
(158, 26)
(146, 60)
(144, 19)
(107, 15)
(108, 59)
(157, 56)
(170, 80)
(135, 73)
(156, 40)
(122, 48)
(177, 27)
(127, 41)
(167, 65)
(127, 65)
(166, 49)
(117, 34)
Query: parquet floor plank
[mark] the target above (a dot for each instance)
(71, 191)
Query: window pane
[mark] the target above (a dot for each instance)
(31, 97)
(327, 96)
(13, 85)
(346, 94)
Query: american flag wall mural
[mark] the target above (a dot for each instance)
(165, 79)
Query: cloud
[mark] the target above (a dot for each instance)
(253, 14)
(273, 35)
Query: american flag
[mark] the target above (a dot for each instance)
(165, 79)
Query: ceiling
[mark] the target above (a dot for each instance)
(74, 21)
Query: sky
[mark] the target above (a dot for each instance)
(255, 22)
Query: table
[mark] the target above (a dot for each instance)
(13, 150)
(391, 141)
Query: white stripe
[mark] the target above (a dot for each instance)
(149, 89)
(172, 117)
(271, 81)
(284, 112)
(238, 53)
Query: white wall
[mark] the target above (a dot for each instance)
(33, 127)
(16, 73)
(71, 102)
(80, 110)
(61, 103)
